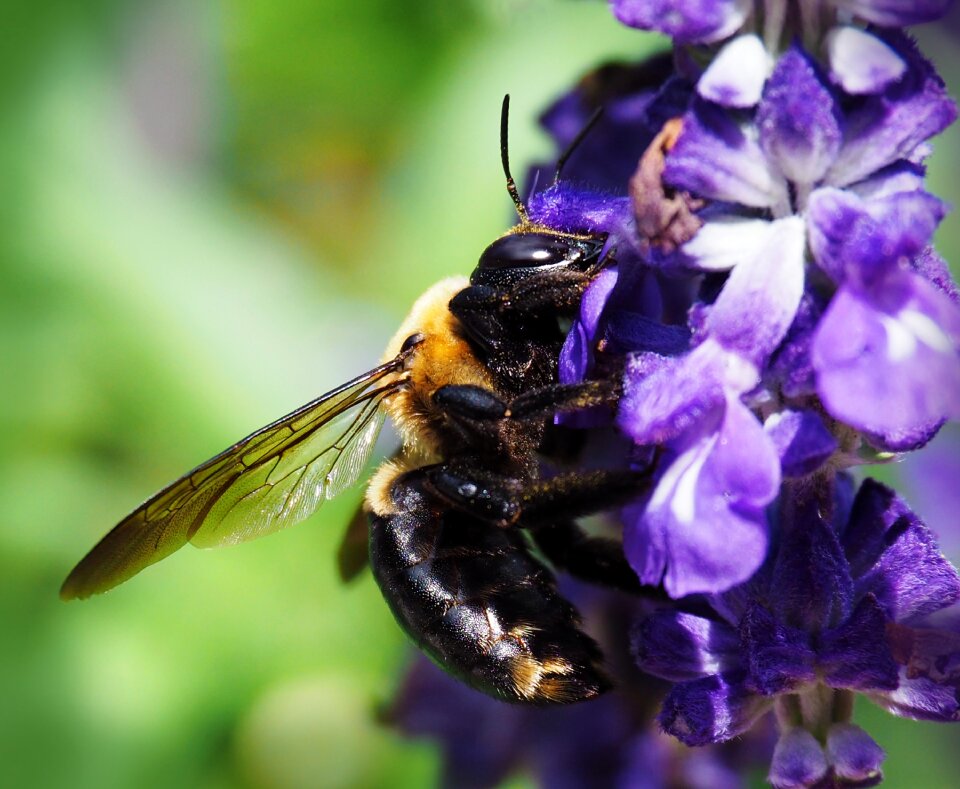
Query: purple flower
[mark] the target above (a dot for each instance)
(870, 339)
(706, 21)
(703, 526)
(686, 21)
(773, 306)
(847, 169)
(894, 13)
(817, 200)
(845, 604)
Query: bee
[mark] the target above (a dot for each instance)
(470, 381)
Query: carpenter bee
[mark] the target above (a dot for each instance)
(470, 381)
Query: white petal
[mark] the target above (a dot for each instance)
(725, 241)
(736, 76)
(860, 62)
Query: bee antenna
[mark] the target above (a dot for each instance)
(591, 122)
(505, 160)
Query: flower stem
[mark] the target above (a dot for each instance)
(774, 17)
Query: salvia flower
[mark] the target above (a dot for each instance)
(844, 605)
(776, 313)
(824, 325)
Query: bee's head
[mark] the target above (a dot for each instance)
(530, 248)
(536, 251)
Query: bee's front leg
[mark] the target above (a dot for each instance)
(478, 404)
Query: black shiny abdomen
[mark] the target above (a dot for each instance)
(473, 598)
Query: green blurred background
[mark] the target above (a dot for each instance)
(209, 213)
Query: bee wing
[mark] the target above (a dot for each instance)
(273, 478)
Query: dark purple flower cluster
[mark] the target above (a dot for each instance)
(778, 316)
(844, 604)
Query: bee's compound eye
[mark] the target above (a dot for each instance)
(411, 342)
(524, 250)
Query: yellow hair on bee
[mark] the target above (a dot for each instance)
(442, 357)
(377, 498)
(536, 680)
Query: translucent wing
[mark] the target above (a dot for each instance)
(274, 477)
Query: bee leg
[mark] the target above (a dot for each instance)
(546, 509)
(475, 403)
(498, 318)
(549, 400)
(599, 560)
(576, 494)
(479, 308)
(493, 498)
(503, 501)
(490, 308)
(470, 402)
(558, 291)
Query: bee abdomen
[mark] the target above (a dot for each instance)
(473, 598)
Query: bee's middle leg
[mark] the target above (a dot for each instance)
(504, 501)
(548, 509)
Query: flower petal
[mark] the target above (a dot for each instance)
(715, 157)
(567, 207)
(791, 365)
(895, 557)
(799, 119)
(855, 757)
(933, 268)
(920, 699)
(894, 124)
(798, 761)
(902, 176)
(630, 332)
(664, 398)
(712, 709)
(861, 62)
(895, 13)
(855, 655)
(801, 439)
(761, 296)
(703, 528)
(863, 240)
(725, 241)
(577, 353)
(779, 657)
(686, 21)
(888, 361)
(811, 587)
(678, 646)
(932, 652)
(736, 75)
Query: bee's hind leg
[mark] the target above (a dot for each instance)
(591, 558)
